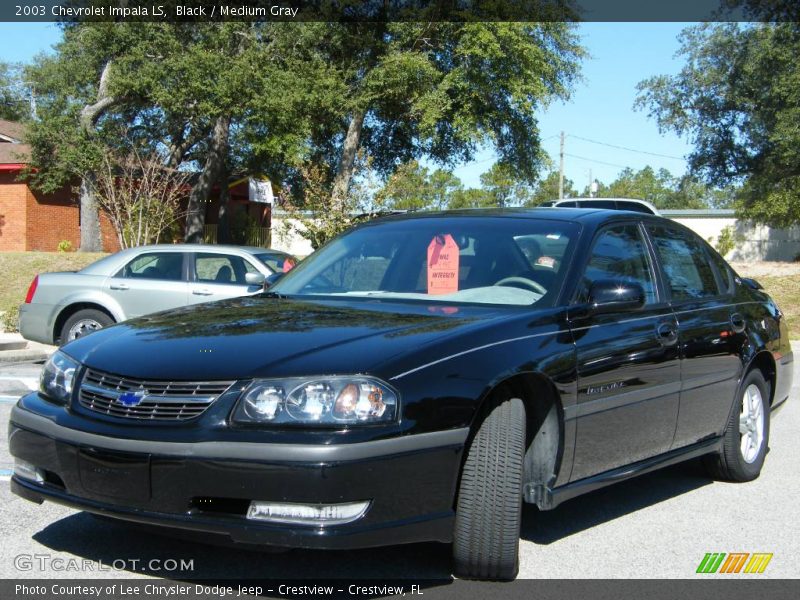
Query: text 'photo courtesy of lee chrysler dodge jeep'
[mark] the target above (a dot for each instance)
(417, 379)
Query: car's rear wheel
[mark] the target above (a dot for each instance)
(83, 322)
(489, 509)
(746, 436)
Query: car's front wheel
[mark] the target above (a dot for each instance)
(746, 437)
(489, 509)
(82, 323)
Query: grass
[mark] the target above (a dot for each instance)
(785, 291)
(19, 269)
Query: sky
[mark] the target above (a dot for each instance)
(599, 109)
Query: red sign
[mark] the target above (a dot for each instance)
(442, 265)
(288, 265)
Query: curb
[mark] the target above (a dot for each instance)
(13, 356)
(21, 350)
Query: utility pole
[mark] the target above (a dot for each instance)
(561, 170)
(591, 191)
(33, 103)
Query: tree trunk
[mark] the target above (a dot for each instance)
(91, 239)
(201, 191)
(223, 227)
(344, 173)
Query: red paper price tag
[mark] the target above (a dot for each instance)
(442, 265)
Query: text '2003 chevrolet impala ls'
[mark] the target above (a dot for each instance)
(417, 379)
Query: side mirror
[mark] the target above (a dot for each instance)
(273, 279)
(254, 278)
(614, 295)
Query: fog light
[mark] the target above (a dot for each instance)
(307, 514)
(26, 470)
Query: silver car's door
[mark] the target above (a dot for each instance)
(150, 282)
(216, 276)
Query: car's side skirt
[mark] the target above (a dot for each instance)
(546, 498)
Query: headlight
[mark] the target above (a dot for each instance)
(58, 376)
(323, 401)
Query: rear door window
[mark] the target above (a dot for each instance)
(687, 271)
(166, 266)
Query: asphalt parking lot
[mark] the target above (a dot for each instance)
(657, 526)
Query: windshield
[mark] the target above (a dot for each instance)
(489, 260)
(278, 263)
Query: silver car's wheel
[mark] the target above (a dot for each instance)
(81, 328)
(82, 323)
(751, 423)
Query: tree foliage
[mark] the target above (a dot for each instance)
(141, 196)
(14, 106)
(738, 99)
(402, 91)
(286, 99)
(547, 189)
(504, 187)
(415, 187)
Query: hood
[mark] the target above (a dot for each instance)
(265, 337)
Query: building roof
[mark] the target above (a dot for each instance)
(14, 154)
(12, 150)
(699, 213)
(12, 129)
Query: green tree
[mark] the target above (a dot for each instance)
(547, 189)
(401, 91)
(504, 187)
(471, 198)
(415, 187)
(14, 106)
(647, 184)
(738, 99)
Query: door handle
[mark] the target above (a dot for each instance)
(119, 286)
(202, 292)
(667, 334)
(737, 322)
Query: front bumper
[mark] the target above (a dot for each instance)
(410, 481)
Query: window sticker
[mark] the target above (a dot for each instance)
(443, 265)
(553, 236)
(546, 261)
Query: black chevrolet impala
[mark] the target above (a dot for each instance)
(417, 379)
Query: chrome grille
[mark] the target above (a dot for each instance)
(129, 398)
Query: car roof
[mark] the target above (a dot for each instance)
(588, 216)
(556, 202)
(201, 248)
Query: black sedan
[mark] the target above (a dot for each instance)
(417, 379)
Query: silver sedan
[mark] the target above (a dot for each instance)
(60, 307)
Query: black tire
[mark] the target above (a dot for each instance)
(87, 315)
(730, 464)
(489, 509)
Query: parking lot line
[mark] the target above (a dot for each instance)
(29, 382)
(9, 399)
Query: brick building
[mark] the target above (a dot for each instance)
(31, 220)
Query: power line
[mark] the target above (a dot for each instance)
(599, 162)
(578, 137)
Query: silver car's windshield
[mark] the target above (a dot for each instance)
(489, 260)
